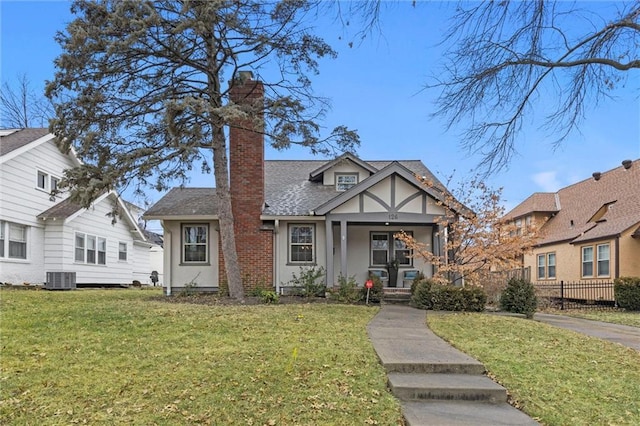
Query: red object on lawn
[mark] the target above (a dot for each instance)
(368, 284)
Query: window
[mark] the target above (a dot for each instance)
(598, 264)
(379, 249)
(382, 252)
(346, 181)
(13, 240)
(122, 251)
(17, 241)
(587, 261)
(551, 265)
(2, 225)
(80, 246)
(88, 246)
(603, 260)
(42, 180)
(91, 249)
(541, 267)
(194, 243)
(301, 239)
(102, 251)
(546, 266)
(518, 226)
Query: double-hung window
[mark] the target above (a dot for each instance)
(195, 243)
(603, 260)
(42, 180)
(596, 261)
(587, 261)
(90, 249)
(122, 251)
(542, 270)
(13, 240)
(551, 265)
(301, 243)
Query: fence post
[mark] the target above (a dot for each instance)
(561, 295)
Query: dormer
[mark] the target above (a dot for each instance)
(344, 172)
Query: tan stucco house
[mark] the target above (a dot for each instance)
(591, 229)
(339, 214)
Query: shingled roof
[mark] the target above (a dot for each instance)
(288, 190)
(20, 138)
(592, 209)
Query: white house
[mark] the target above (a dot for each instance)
(42, 233)
(341, 215)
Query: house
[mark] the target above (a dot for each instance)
(341, 215)
(591, 229)
(42, 233)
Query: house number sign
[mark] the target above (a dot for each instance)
(393, 216)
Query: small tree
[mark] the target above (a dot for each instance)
(519, 297)
(475, 238)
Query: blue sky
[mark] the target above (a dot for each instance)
(376, 88)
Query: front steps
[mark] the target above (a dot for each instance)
(436, 383)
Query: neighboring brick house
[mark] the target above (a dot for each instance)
(591, 229)
(338, 214)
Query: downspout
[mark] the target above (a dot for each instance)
(167, 257)
(617, 267)
(276, 255)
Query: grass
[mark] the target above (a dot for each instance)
(612, 316)
(120, 357)
(556, 376)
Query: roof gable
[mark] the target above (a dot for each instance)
(316, 175)
(18, 141)
(595, 209)
(391, 169)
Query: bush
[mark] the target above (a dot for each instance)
(417, 280)
(265, 295)
(376, 293)
(310, 282)
(347, 291)
(627, 293)
(430, 295)
(519, 297)
(421, 294)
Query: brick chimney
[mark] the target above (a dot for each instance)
(254, 244)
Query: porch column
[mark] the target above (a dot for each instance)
(328, 227)
(343, 247)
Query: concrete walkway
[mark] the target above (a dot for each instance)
(623, 334)
(436, 383)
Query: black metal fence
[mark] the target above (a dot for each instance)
(575, 295)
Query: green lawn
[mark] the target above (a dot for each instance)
(120, 357)
(557, 376)
(612, 316)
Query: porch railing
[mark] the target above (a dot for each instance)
(576, 295)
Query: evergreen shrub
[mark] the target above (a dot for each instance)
(627, 293)
(519, 297)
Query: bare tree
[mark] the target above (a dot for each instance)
(142, 91)
(21, 107)
(512, 59)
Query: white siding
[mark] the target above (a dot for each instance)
(21, 201)
(142, 263)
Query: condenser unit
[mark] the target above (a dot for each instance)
(60, 281)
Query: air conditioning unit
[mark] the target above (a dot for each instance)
(60, 281)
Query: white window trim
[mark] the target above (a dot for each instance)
(290, 244)
(391, 249)
(6, 232)
(85, 249)
(342, 175)
(49, 178)
(598, 260)
(543, 267)
(126, 251)
(582, 262)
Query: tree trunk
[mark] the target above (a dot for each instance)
(225, 215)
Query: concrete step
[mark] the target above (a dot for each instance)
(397, 298)
(462, 413)
(459, 387)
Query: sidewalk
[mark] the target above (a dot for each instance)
(623, 334)
(436, 383)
